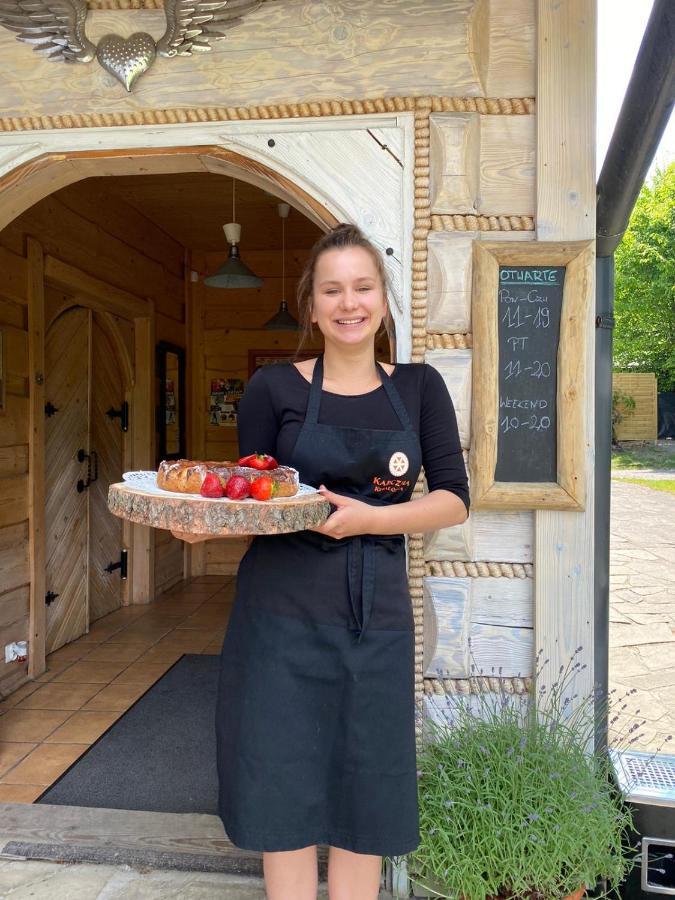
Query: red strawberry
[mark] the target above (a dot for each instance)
(237, 487)
(263, 488)
(211, 486)
(259, 461)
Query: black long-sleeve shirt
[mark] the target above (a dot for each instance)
(272, 410)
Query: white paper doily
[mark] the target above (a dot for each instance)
(147, 481)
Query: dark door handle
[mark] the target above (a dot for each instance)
(92, 469)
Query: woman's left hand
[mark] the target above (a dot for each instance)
(351, 516)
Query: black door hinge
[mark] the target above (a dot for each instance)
(121, 564)
(604, 320)
(122, 414)
(50, 597)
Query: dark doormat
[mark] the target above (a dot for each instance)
(160, 756)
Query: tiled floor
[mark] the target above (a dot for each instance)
(48, 723)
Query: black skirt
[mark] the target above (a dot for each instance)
(315, 713)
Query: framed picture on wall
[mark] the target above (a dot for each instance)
(224, 401)
(258, 358)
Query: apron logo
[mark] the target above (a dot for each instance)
(398, 464)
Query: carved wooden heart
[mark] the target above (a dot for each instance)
(126, 58)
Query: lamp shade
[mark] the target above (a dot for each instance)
(281, 320)
(233, 274)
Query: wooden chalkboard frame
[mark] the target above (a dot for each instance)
(569, 491)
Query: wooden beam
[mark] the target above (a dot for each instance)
(100, 295)
(142, 570)
(564, 540)
(195, 311)
(36, 457)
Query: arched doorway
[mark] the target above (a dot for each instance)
(329, 172)
(361, 173)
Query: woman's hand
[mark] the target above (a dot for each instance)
(351, 516)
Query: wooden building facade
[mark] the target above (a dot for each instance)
(435, 125)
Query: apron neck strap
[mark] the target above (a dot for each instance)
(314, 402)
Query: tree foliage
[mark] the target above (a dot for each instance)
(644, 336)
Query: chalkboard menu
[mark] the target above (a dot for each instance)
(528, 309)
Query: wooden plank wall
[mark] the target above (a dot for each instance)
(232, 324)
(641, 423)
(85, 226)
(14, 426)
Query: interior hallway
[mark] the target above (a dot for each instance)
(47, 724)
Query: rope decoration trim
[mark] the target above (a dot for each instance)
(421, 228)
(476, 685)
(481, 223)
(447, 568)
(448, 341)
(178, 116)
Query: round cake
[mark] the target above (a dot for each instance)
(185, 476)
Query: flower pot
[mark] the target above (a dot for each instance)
(577, 895)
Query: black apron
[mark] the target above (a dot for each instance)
(315, 713)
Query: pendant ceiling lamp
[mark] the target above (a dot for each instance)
(233, 273)
(282, 320)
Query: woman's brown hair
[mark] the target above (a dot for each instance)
(339, 237)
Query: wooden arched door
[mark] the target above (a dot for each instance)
(83, 455)
(66, 509)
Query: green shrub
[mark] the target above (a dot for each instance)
(513, 803)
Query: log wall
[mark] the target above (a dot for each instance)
(487, 163)
(292, 52)
(14, 549)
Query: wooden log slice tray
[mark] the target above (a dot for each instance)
(139, 500)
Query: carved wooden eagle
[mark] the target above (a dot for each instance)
(56, 28)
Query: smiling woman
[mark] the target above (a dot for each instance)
(344, 291)
(320, 609)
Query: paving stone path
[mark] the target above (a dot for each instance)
(642, 605)
(20, 880)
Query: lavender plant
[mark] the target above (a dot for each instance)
(512, 803)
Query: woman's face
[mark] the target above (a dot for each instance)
(348, 301)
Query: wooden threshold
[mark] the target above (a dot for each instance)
(183, 841)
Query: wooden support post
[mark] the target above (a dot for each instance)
(195, 554)
(36, 457)
(564, 558)
(142, 570)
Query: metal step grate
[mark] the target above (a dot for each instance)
(645, 777)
